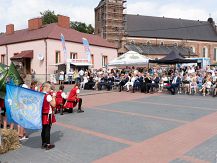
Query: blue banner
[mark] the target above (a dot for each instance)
(86, 48)
(64, 47)
(24, 106)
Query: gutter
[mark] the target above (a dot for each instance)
(6, 46)
(45, 41)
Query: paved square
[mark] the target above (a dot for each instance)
(127, 127)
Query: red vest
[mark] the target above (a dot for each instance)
(73, 95)
(70, 103)
(59, 99)
(45, 111)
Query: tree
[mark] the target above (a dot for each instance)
(48, 17)
(90, 29)
(82, 27)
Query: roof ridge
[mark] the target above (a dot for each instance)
(166, 17)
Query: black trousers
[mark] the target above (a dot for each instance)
(173, 88)
(121, 84)
(79, 101)
(45, 133)
(144, 88)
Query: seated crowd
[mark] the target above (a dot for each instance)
(187, 80)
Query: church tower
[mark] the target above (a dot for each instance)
(110, 20)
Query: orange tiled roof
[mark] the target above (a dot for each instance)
(53, 31)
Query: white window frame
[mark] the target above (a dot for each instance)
(205, 52)
(215, 54)
(104, 60)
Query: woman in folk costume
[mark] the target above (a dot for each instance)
(47, 116)
(60, 99)
(73, 99)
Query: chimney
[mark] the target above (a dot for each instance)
(35, 23)
(63, 21)
(9, 29)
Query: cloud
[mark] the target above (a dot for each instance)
(172, 9)
(182, 11)
(143, 8)
(18, 12)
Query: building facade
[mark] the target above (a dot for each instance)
(39, 48)
(155, 37)
(109, 20)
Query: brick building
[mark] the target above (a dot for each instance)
(109, 20)
(157, 36)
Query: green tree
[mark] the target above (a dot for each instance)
(48, 17)
(82, 27)
(90, 29)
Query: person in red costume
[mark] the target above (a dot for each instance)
(47, 116)
(73, 99)
(60, 99)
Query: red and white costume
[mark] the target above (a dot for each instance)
(47, 110)
(72, 99)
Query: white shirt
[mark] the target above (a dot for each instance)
(81, 72)
(24, 86)
(85, 79)
(49, 99)
(133, 79)
(70, 73)
(63, 95)
(174, 80)
(78, 91)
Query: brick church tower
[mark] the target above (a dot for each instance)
(110, 20)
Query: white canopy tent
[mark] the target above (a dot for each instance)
(130, 58)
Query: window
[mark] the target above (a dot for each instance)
(193, 49)
(92, 60)
(205, 52)
(161, 43)
(104, 61)
(104, 35)
(57, 57)
(73, 55)
(98, 16)
(3, 58)
(215, 54)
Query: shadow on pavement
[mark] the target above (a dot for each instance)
(35, 142)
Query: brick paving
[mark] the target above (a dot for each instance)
(126, 127)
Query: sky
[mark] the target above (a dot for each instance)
(18, 12)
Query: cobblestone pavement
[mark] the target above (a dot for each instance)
(129, 127)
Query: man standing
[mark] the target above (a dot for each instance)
(47, 116)
(70, 74)
(81, 75)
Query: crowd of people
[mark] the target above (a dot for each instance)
(183, 79)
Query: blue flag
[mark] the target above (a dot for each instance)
(64, 47)
(24, 106)
(86, 48)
